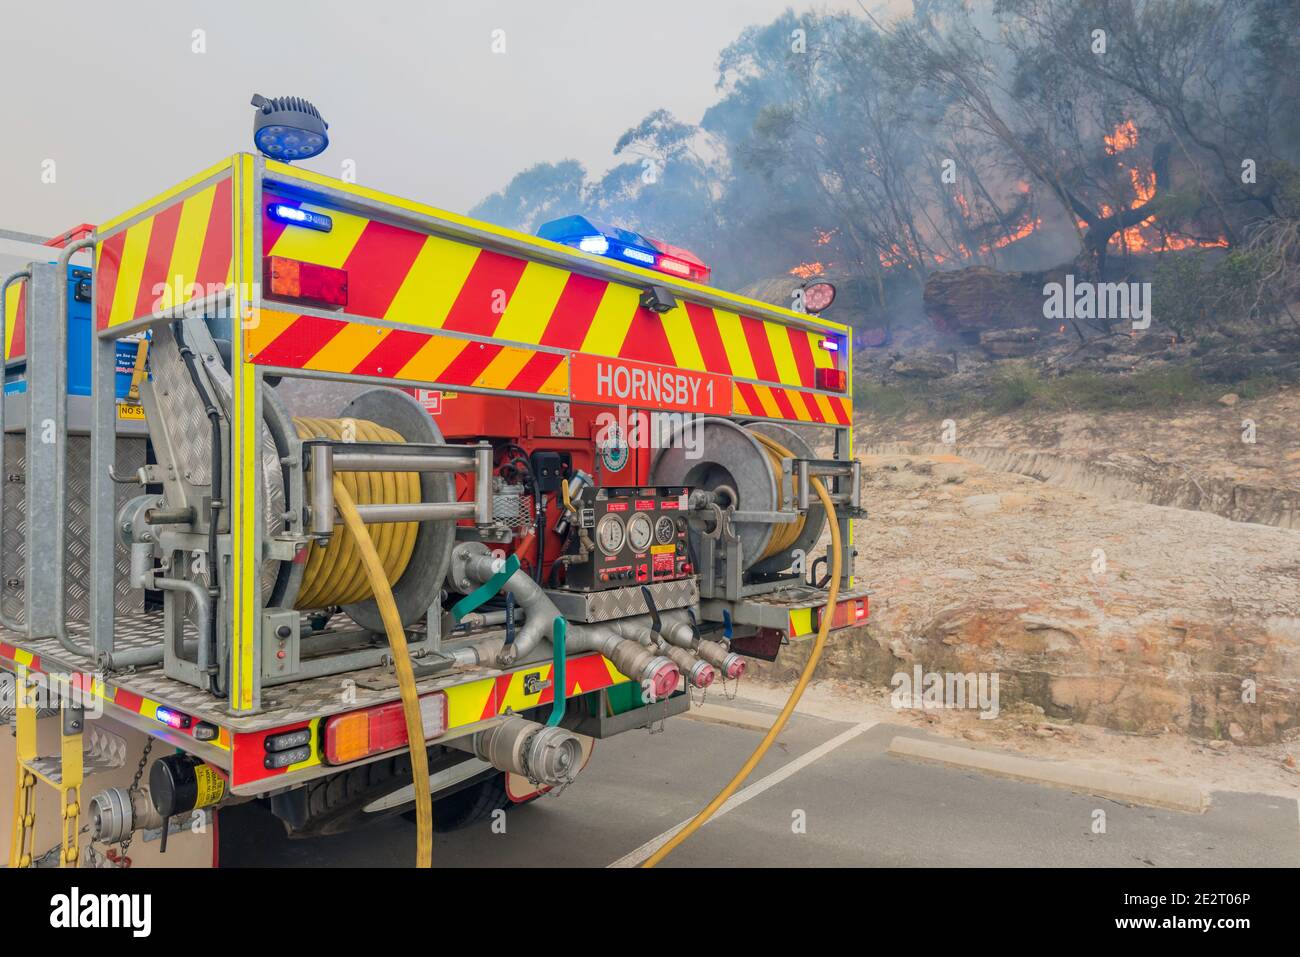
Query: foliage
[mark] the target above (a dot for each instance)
(944, 135)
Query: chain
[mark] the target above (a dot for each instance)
(135, 786)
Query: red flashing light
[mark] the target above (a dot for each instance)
(307, 283)
(680, 262)
(832, 380)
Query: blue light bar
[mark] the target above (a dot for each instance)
(284, 213)
(173, 719)
(600, 239)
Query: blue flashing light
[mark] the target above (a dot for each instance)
(173, 719)
(294, 216)
(830, 345)
(600, 239)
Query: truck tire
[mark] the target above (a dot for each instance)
(470, 805)
(337, 803)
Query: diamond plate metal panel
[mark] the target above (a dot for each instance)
(130, 457)
(188, 431)
(624, 602)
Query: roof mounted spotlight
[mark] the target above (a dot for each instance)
(658, 299)
(288, 128)
(817, 296)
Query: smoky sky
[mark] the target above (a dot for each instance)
(116, 96)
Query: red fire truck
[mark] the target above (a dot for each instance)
(392, 474)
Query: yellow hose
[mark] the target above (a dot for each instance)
(378, 578)
(333, 575)
(785, 534)
(836, 566)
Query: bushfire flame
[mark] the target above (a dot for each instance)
(1124, 137)
(808, 270)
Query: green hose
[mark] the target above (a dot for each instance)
(559, 633)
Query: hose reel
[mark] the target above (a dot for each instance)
(740, 466)
(415, 555)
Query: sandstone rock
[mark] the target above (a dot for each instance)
(922, 366)
(1189, 606)
(1230, 399)
(978, 298)
(1010, 343)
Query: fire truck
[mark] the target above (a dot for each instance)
(569, 486)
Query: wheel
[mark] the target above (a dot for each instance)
(470, 805)
(354, 797)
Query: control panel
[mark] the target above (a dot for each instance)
(640, 537)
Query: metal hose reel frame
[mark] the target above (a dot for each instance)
(814, 524)
(733, 458)
(420, 583)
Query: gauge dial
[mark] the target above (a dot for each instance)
(639, 532)
(665, 528)
(610, 535)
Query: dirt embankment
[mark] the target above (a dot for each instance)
(1098, 609)
(1238, 459)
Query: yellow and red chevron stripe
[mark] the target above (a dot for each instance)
(489, 697)
(415, 279)
(467, 704)
(110, 694)
(796, 405)
(179, 252)
(14, 319)
(293, 341)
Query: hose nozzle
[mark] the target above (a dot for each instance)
(699, 674)
(715, 653)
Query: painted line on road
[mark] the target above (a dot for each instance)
(752, 791)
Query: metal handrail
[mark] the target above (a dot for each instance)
(131, 657)
(4, 286)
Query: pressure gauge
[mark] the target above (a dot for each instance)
(639, 532)
(610, 535)
(665, 528)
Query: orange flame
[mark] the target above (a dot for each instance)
(1124, 137)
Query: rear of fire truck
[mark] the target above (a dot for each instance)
(584, 478)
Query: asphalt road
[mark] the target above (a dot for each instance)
(827, 794)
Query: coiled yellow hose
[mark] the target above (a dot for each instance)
(335, 574)
(377, 577)
(832, 596)
(786, 534)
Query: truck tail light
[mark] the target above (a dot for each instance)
(359, 734)
(307, 283)
(849, 612)
(832, 380)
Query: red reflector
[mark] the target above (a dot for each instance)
(832, 380)
(303, 282)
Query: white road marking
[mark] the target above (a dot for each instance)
(748, 793)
